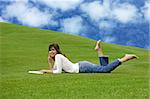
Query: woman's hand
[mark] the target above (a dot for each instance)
(46, 71)
(50, 59)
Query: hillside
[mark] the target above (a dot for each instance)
(23, 48)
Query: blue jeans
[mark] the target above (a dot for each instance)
(104, 67)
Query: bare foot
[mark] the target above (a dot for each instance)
(98, 45)
(128, 57)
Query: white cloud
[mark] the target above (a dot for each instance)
(28, 15)
(18, 0)
(61, 4)
(72, 25)
(146, 10)
(125, 12)
(95, 10)
(106, 24)
(109, 39)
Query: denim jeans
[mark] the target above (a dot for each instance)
(104, 67)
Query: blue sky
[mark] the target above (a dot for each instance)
(124, 22)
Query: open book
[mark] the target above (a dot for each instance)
(35, 72)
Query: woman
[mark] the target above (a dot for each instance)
(58, 62)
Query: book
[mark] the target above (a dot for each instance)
(35, 72)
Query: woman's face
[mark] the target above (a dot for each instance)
(53, 52)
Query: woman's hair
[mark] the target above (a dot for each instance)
(56, 46)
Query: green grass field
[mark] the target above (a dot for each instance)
(23, 48)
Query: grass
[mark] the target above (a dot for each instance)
(23, 48)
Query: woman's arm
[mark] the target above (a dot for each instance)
(57, 67)
(46, 71)
(50, 62)
(58, 64)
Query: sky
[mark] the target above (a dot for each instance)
(124, 22)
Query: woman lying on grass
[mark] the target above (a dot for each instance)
(58, 62)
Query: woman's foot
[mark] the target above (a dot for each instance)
(128, 57)
(98, 48)
(98, 45)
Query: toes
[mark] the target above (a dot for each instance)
(132, 56)
(136, 57)
(99, 40)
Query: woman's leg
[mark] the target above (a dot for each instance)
(102, 58)
(110, 67)
(87, 67)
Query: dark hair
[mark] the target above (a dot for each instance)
(56, 46)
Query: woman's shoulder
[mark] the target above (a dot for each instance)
(59, 55)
